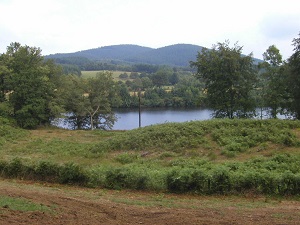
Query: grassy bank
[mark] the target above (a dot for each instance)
(204, 157)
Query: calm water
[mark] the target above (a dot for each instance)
(129, 119)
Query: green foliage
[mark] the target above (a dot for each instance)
(229, 79)
(9, 132)
(14, 169)
(30, 85)
(88, 101)
(272, 84)
(169, 166)
(232, 135)
(278, 175)
(72, 174)
(293, 79)
(120, 178)
(126, 158)
(47, 171)
(21, 204)
(170, 136)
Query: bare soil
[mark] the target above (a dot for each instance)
(76, 205)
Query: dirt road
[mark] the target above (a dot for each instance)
(74, 205)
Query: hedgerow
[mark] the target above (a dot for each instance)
(278, 175)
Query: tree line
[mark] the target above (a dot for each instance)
(34, 91)
(235, 87)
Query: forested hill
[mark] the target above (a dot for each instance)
(173, 55)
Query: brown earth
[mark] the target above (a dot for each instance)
(76, 205)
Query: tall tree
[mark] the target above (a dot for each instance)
(229, 79)
(272, 81)
(294, 78)
(31, 89)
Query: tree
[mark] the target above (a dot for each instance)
(4, 75)
(29, 85)
(147, 82)
(174, 78)
(124, 95)
(99, 107)
(88, 101)
(188, 89)
(272, 81)
(294, 78)
(161, 77)
(229, 79)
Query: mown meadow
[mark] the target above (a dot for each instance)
(199, 157)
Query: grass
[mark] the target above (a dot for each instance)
(90, 74)
(22, 204)
(216, 156)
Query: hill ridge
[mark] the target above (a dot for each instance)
(173, 55)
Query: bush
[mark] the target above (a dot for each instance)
(72, 174)
(126, 158)
(47, 171)
(14, 169)
(120, 178)
(188, 180)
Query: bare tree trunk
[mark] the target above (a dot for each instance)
(92, 114)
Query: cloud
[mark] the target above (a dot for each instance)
(73, 25)
(280, 29)
(280, 26)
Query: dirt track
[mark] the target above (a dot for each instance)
(96, 206)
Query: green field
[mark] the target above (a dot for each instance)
(202, 157)
(89, 74)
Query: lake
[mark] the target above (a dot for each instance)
(129, 119)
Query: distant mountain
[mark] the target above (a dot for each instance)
(178, 55)
(173, 55)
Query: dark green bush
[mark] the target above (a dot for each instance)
(120, 178)
(72, 174)
(188, 180)
(15, 168)
(220, 182)
(47, 171)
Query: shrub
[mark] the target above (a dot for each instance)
(47, 171)
(220, 181)
(119, 178)
(72, 174)
(126, 158)
(188, 180)
(15, 168)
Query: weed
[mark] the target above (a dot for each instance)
(21, 204)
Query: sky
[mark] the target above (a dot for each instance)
(63, 26)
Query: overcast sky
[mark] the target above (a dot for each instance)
(61, 26)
